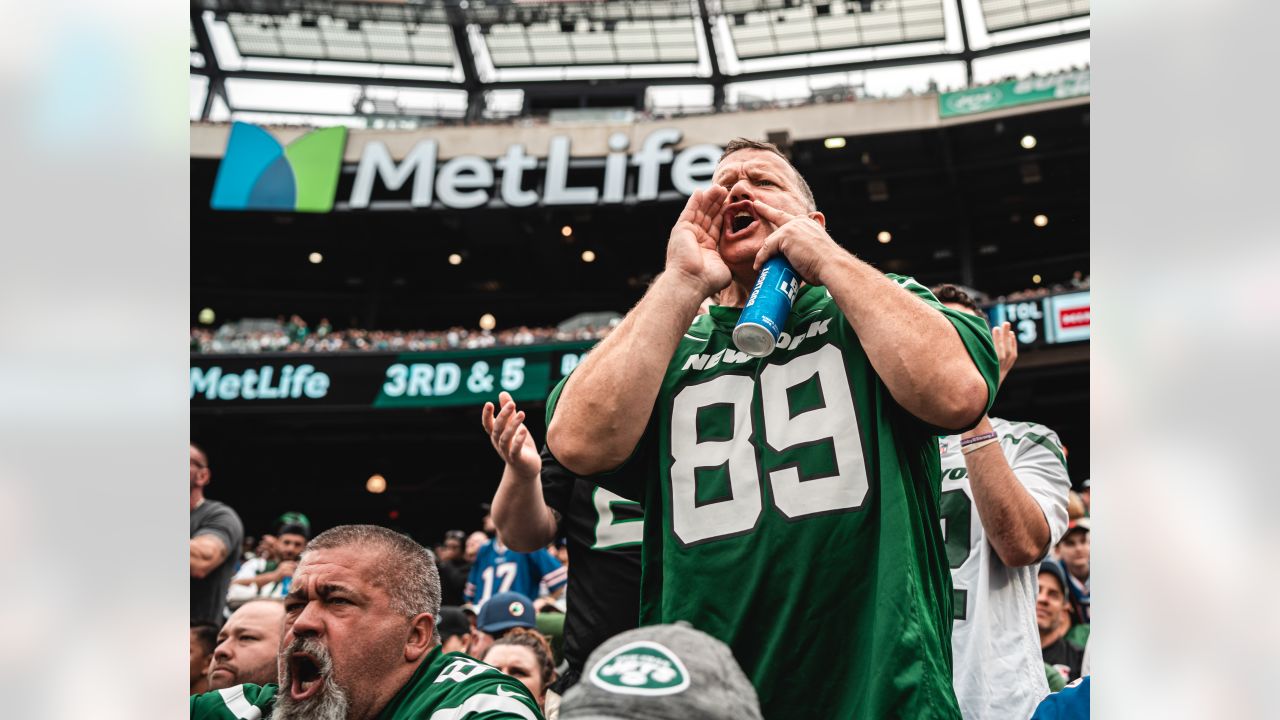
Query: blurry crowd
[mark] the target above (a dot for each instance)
(296, 335)
(1078, 281)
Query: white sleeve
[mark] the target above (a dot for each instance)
(1039, 464)
(250, 568)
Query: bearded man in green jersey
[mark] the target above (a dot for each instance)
(360, 642)
(791, 501)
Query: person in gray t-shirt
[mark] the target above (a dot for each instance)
(216, 534)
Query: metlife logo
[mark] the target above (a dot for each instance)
(264, 382)
(258, 173)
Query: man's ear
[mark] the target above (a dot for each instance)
(421, 638)
(818, 218)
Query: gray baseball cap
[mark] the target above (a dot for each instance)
(662, 672)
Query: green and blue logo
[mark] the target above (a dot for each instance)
(258, 173)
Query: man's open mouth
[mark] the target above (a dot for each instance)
(304, 674)
(741, 220)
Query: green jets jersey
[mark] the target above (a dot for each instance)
(791, 510)
(445, 687)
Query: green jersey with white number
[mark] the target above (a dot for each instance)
(445, 687)
(791, 510)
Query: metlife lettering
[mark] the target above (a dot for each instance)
(259, 383)
(467, 181)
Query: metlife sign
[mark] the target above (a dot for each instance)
(336, 381)
(1013, 93)
(257, 173)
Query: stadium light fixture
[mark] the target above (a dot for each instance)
(1028, 141)
(1036, 278)
(315, 258)
(487, 321)
(833, 143)
(376, 484)
(1040, 220)
(206, 316)
(455, 259)
(566, 231)
(884, 236)
(588, 256)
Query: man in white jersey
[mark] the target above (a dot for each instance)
(1004, 503)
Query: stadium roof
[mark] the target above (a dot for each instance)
(594, 53)
(1006, 14)
(764, 28)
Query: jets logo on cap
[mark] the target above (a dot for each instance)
(641, 668)
(516, 608)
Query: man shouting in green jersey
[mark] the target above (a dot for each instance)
(791, 501)
(360, 643)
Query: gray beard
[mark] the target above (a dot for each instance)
(330, 703)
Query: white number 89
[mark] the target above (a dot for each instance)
(834, 420)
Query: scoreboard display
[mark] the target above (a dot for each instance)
(1051, 320)
(359, 380)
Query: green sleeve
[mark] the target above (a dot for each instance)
(1056, 681)
(242, 702)
(489, 696)
(627, 479)
(974, 333)
(1078, 634)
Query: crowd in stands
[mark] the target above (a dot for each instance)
(295, 335)
(520, 631)
(1078, 281)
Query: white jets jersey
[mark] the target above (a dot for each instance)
(998, 669)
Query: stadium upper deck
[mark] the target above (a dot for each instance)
(439, 60)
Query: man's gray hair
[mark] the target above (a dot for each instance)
(405, 569)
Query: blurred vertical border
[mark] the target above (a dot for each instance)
(93, 357)
(93, 313)
(1184, 358)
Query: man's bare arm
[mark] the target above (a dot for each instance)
(519, 511)
(1015, 524)
(914, 349)
(207, 553)
(604, 407)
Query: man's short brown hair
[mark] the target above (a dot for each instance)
(740, 143)
(948, 293)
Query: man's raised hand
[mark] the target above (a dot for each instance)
(1006, 348)
(800, 238)
(510, 437)
(693, 249)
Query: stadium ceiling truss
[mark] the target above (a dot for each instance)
(686, 41)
